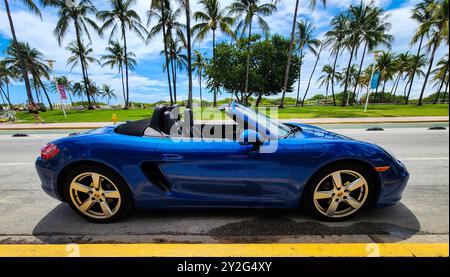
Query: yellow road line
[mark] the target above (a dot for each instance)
(227, 250)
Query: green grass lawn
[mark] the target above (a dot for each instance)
(287, 113)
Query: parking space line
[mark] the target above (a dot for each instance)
(227, 250)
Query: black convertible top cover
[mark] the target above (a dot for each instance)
(134, 128)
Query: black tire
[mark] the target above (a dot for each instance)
(126, 203)
(307, 198)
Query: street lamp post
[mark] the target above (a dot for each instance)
(375, 58)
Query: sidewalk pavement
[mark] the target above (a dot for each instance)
(313, 121)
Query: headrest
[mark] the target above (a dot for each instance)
(157, 121)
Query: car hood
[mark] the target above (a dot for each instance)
(315, 132)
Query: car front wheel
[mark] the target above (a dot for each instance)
(97, 194)
(339, 192)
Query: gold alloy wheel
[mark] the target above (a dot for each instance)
(95, 195)
(341, 193)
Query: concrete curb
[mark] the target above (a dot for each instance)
(313, 121)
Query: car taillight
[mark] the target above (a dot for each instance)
(49, 151)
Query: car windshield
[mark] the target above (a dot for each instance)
(259, 121)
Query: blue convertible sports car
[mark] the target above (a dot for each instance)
(167, 161)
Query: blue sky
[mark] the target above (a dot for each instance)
(148, 82)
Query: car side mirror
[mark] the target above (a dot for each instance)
(250, 137)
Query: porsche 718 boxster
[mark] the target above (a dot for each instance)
(251, 161)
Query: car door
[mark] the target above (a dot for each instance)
(223, 172)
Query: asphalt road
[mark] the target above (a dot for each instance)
(27, 215)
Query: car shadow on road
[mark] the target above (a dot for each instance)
(62, 225)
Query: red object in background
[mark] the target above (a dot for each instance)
(62, 92)
(48, 151)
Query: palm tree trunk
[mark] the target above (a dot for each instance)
(394, 88)
(326, 93)
(174, 79)
(415, 68)
(334, 76)
(126, 65)
(83, 68)
(359, 71)
(189, 52)
(428, 73)
(123, 85)
(46, 94)
(21, 60)
(289, 57)
(312, 73)
(299, 77)
(6, 94)
(247, 67)
(445, 93)
(441, 85)
(382, 92)
(163, 15)
(214, 58)
(347, 72)
(200, 84)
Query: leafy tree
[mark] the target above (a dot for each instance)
(267, 68)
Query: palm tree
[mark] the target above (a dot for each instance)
(440, 76)
(386, 66)
(401, 62)
(5, 80)
(199, 65)
(305, 40)
(246, 10)
(34, 64)
(365, 25)
(108, 92)
(421, 14)
(123, 17)
(81, 55)
(178, 61)
(78, 14)
(437, 28)
(326, 79)
(32, 6)
(312, 73)
(187, 11)
(373, 29)
(413, 68)
(115, 57)
(165, 16)
(312, 4)
(335, 38)
(211, 18)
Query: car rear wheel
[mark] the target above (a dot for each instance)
(97, 194)
(339, 192)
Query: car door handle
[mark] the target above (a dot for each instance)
(171, 157)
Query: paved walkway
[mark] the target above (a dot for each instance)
(356, 120)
